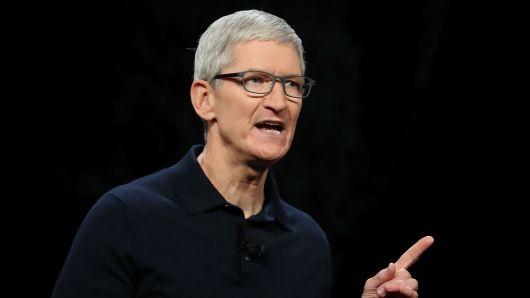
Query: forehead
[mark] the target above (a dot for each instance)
(270, 56)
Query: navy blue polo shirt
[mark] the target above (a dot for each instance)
(172, 234)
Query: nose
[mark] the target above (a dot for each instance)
(276, 100)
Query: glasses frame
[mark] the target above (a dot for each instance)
(282, 79)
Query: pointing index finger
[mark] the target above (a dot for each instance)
(414, 252)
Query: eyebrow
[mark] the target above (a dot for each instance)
(287, 75)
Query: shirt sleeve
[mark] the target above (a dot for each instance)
(100, 263)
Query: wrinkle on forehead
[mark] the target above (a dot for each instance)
(269, 56)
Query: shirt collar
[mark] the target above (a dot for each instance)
(198, 195)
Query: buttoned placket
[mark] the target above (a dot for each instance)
(245, 235)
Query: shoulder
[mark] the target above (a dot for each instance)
(153, 188)
(141, 197)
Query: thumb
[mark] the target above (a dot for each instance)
(380, 278)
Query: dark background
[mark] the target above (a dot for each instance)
(393, 144)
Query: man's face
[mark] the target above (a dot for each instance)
(242, 119)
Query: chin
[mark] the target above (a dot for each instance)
(266, 149)
(271, 154)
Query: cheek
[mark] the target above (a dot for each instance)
(236, 115)
(294, 113)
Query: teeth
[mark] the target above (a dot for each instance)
(271, 127)
(272, 131)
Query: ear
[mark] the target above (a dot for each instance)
(202, 99)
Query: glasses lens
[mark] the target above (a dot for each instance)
(262, 83)
(297, 86)
(257, 82)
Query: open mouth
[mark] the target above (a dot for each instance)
(271, 127)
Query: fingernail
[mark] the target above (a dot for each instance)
(381, 292)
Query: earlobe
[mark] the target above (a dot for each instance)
(201, 99)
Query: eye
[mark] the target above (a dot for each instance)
(293, 84)
(254, 80)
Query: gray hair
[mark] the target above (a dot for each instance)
(214, 51)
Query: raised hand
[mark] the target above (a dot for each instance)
(395, 280)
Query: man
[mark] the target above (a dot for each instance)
(214, 225)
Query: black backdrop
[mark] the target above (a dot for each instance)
(386, 149)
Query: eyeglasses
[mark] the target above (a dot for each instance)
(261, 82)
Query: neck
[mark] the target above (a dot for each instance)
(238, 182)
